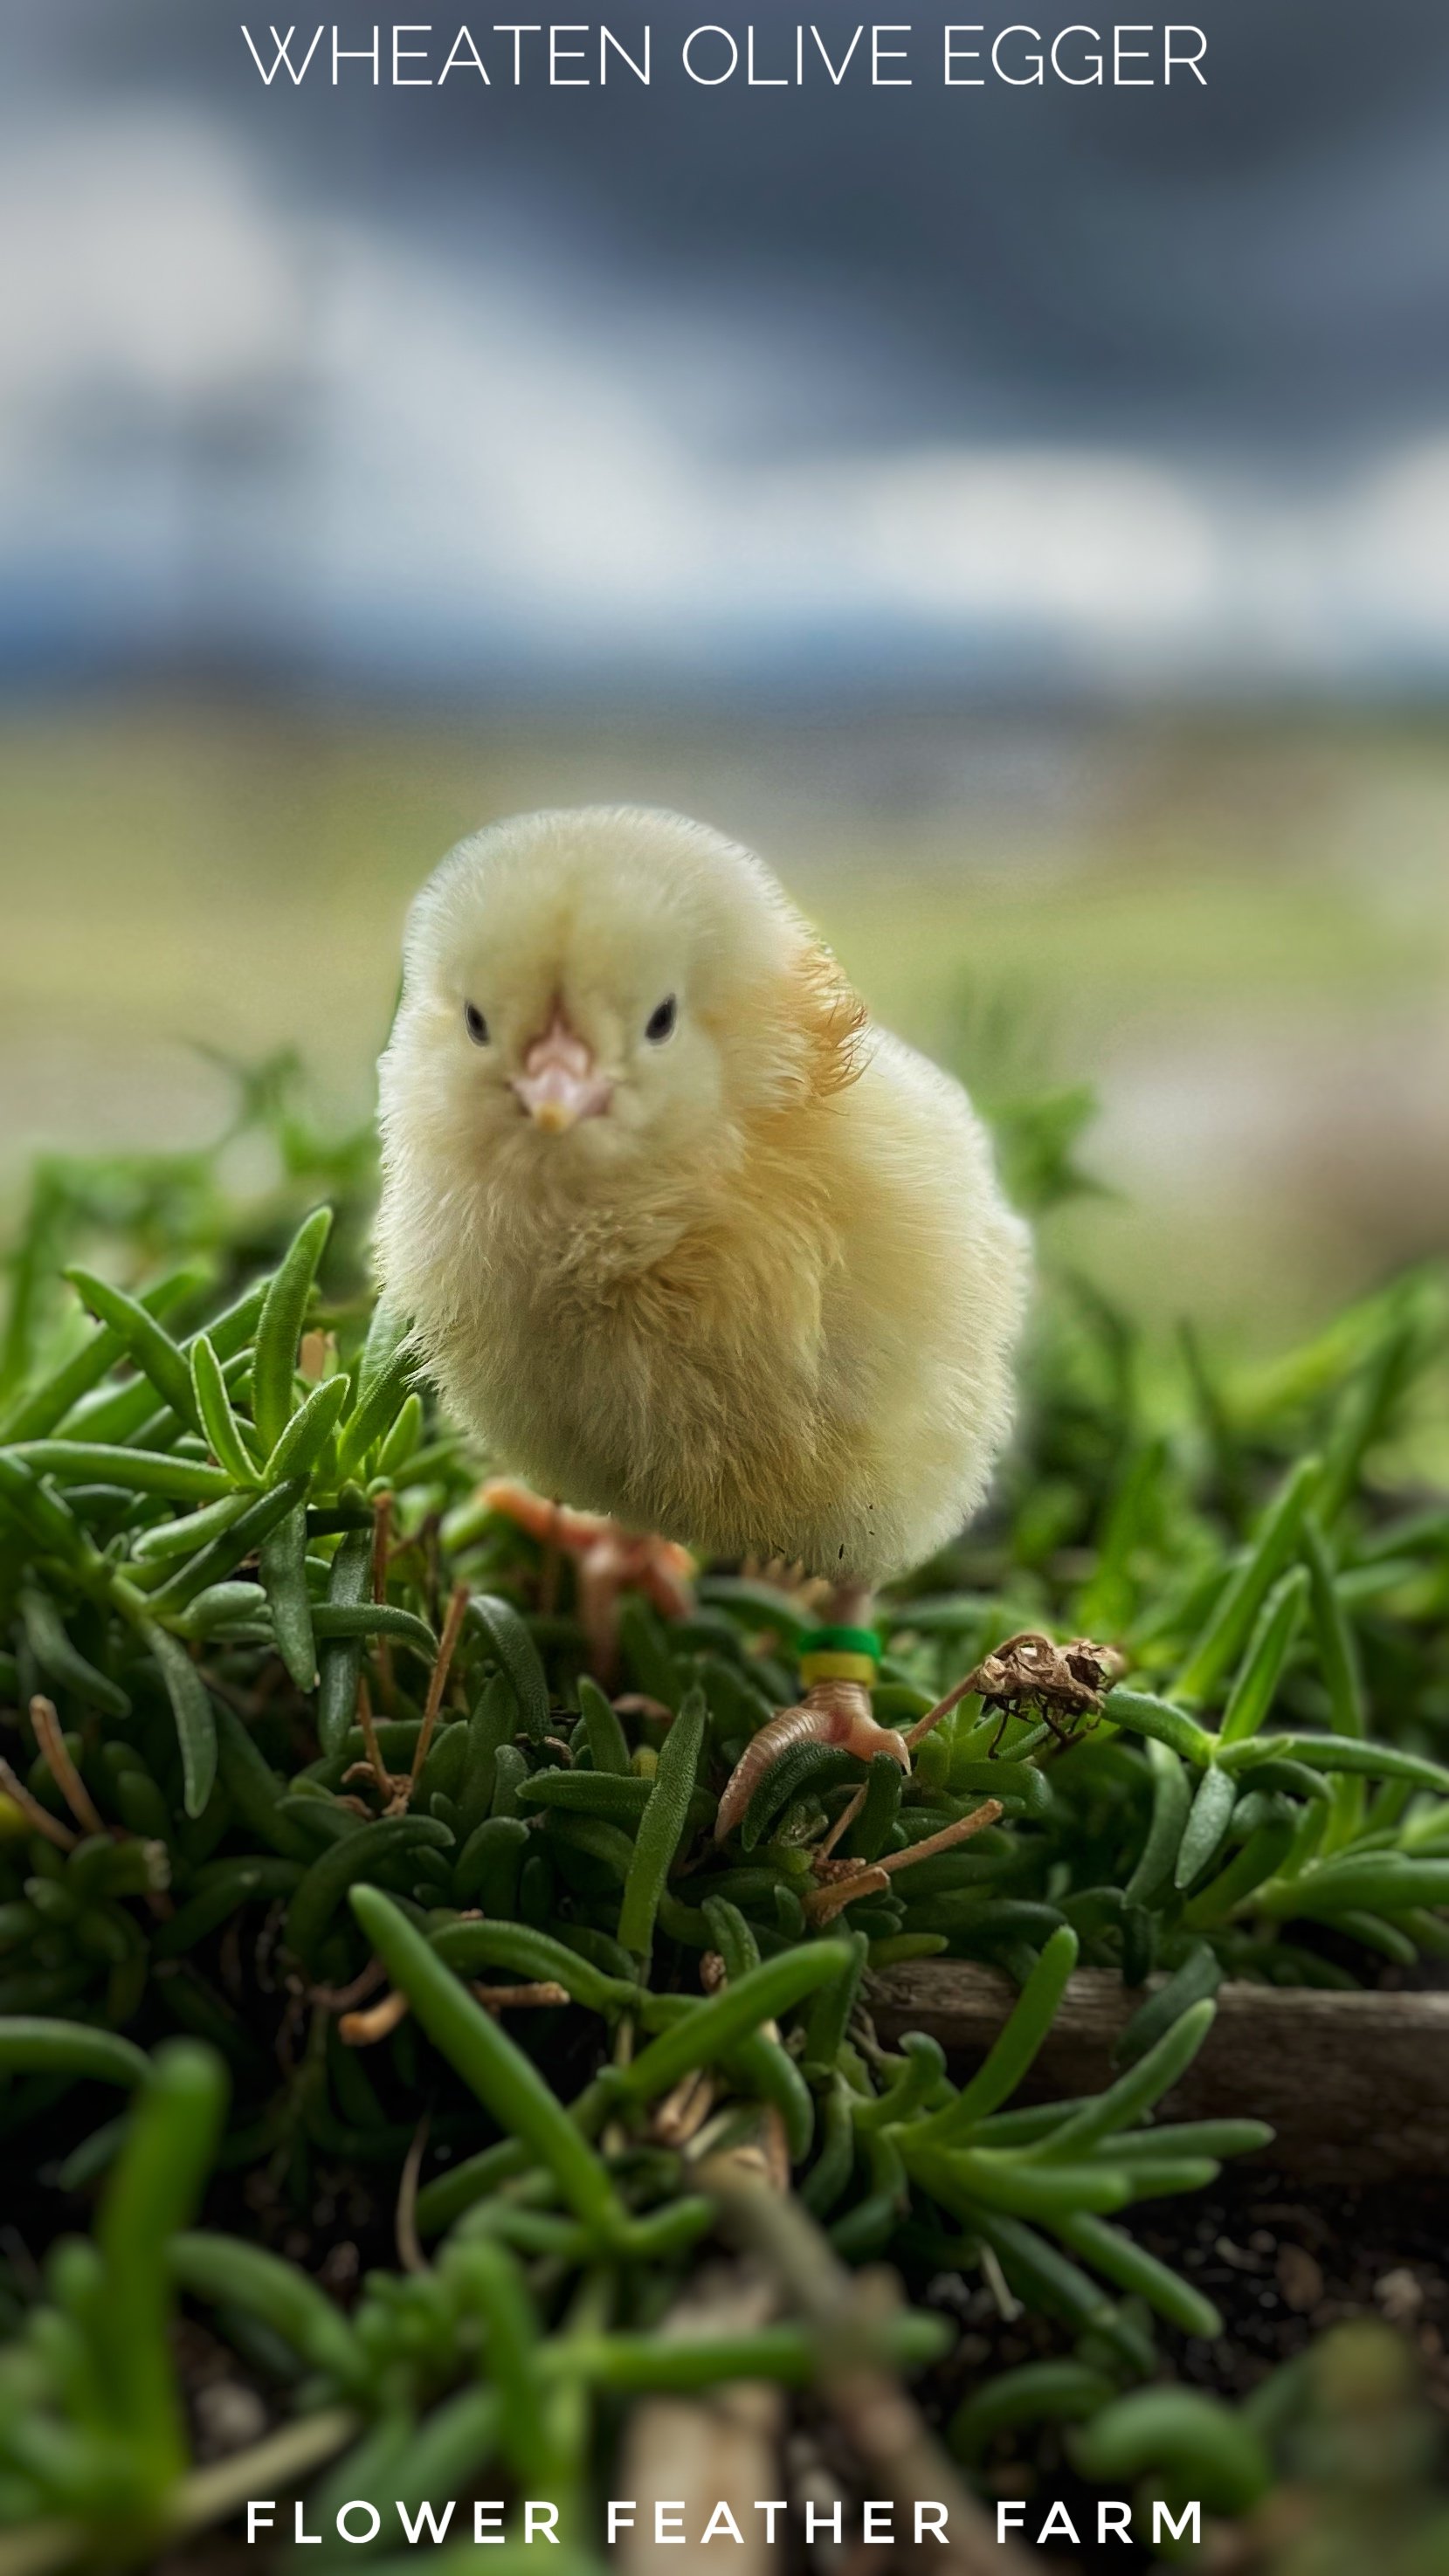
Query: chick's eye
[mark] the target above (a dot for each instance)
(475, 1024)
(660, 1023)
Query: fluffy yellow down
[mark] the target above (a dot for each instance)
(766, 1303)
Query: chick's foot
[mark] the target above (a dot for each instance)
(608, 1559)
(833, 1711)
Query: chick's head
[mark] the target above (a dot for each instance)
(592, 989)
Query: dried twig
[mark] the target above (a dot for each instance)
(867, 1878)
(691, 2454)
(63, 1772)
(315, 1351)
(437, 1684)
(341, 1999)
(381, 1551)
(405, 2222)
(861, 1878)
(959, 1830)
(364, 2029)
(639, 1704)
(681, 2115)
(842, 1824)
(879, 2421)
(375, 1762)
(923, 1726)
(497, 1999)
(36, 1816)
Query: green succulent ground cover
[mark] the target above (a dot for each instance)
(200, 1873)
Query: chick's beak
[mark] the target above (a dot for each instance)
(559, 1083)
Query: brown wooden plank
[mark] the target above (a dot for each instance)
(1356, 2085)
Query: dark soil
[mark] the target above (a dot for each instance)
(1282, 2264)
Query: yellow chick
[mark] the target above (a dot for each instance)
(684, 1237)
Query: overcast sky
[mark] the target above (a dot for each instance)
(1132, 390)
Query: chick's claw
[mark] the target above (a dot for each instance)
(608, 1559)
(832, 1712)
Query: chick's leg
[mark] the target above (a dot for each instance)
(609, 1560)
(837, 1670)
(850, 1606)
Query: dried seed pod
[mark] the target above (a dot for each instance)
(1065, 1683)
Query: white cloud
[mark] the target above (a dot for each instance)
(1398, 546)
(1076, 539)
(142, 258)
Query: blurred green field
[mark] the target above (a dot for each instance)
(1238, 932)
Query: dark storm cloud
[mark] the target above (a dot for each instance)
(1266, 259)
(1144, 385)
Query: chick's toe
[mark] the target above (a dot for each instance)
(609, 1560)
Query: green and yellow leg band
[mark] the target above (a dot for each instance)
(840, 1655)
